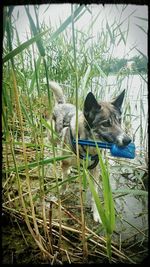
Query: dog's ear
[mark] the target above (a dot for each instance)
(91, 107)
(119, 100)
(90, 102)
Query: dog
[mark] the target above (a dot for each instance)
(99, 121)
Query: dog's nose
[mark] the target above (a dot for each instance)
(126, 140)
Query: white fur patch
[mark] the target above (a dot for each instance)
(96, 216)
(120, 139)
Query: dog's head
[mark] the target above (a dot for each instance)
(104, 119)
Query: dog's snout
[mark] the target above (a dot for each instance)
(123, 140)
(126, 140)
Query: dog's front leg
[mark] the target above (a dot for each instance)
(65, 164)
(65, 172)
(95, 173)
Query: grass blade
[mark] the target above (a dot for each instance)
(141, 18)
(85, 78)
(37, 37)
(39, 42)
(98, 205)
(140, 27)
(40, 163)
(108, 198)
(136, 192)
(142, 54)
(110, 33)
(33, 79)
(23, 46)
(65, 24)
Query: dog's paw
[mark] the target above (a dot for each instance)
(64, 189)
(96, 217)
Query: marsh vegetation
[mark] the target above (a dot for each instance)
(60, 229)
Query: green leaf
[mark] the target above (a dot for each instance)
(23, 46)
(40, 163)
(108, 198)
(48, 126)
(85, 78)
(125, 19)
(110, 33)
(34, 74)
(93, 21)
(48, 6)
(122, 36)
(87, 8)
(141, 28)
(79, 15)
(39, 35)
(141, 18)
(39, 42)
(133, 192)
(108, 245)
(101, 72)
(145, 80)
(142, 53)
(26, 113)
(64, 25)
(98, 205)
(107, 193)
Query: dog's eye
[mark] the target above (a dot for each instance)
(106, 123)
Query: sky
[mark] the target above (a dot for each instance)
(110, 12)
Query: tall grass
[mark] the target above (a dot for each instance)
(75, 62)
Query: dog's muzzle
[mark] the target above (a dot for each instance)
(120, 140)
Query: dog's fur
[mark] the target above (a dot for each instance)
(99, 120)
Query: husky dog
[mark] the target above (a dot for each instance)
(98, 121)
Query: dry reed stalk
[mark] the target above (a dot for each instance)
(36, 235)
(101, 239)
(115, 252)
